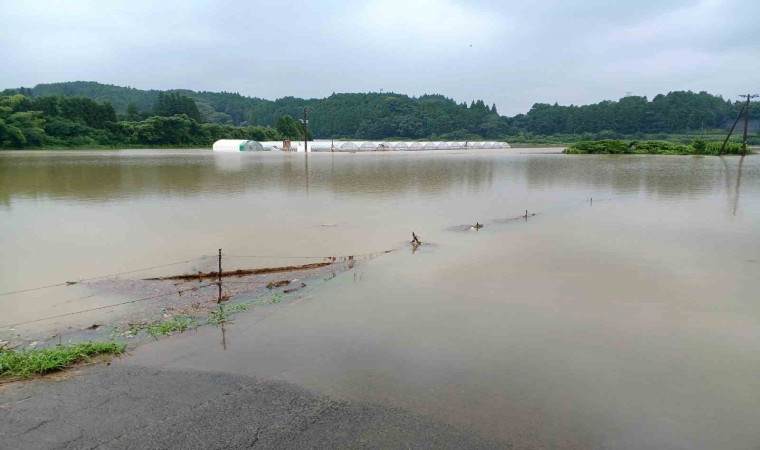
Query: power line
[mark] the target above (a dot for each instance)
(68, 283)
(109, 306)
(308, 257)
(277, 257)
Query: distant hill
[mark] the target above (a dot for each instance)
(363, 116)
(388, 115)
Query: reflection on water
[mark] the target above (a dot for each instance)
(100, 177)
(738, 184)
(629, 322)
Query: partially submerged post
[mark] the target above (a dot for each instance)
(746, 123)
(219, 300)
(731, 131)
(745, 111)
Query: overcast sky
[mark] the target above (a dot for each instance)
(512, 53)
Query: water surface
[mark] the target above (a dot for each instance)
(627, 322)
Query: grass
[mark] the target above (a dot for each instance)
(179, 323)
(158, 328)
(613, 146)
(222, 315)
(27, 363)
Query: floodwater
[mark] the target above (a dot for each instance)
(630, 322)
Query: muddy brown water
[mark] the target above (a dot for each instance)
(627, 322)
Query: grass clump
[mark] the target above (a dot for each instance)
(27, 363)
(179, 323)
(222, 314)
(616, 147)
(157, 328)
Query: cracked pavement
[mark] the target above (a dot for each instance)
(114, 407)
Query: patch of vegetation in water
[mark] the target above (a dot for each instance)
(27, 363)
(178, 323)
(223, 313)
(158, 328)
(616, 147)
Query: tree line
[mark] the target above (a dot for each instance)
(58, 121)
(90, 113)
(676, 112)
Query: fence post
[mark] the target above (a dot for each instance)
(219, 300)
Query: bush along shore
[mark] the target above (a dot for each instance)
(615, 147)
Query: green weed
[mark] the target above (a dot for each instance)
(179, 323)
(27, 363)
(222, 314)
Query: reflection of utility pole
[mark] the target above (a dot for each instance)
(746, 123)
(306, 172)
(738, 185)
(305, 123)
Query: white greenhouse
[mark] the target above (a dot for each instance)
(368, 146)
(323, 145)
(237, 145)
(348, 147)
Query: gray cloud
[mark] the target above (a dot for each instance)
(504, 52)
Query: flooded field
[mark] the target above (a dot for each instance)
(623, 314)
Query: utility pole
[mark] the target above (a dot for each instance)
(746, 123)
(731, 131)
(305, 122)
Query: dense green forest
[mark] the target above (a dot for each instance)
(57, 121)
(89, 113)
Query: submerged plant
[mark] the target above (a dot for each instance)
(27, 363)
(221, 315)
(613, 146)
(179, 323)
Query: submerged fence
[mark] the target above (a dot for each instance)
(217, 277)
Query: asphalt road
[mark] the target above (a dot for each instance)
(137, 407)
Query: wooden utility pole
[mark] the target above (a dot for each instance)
(731, 131)
(746, 123)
